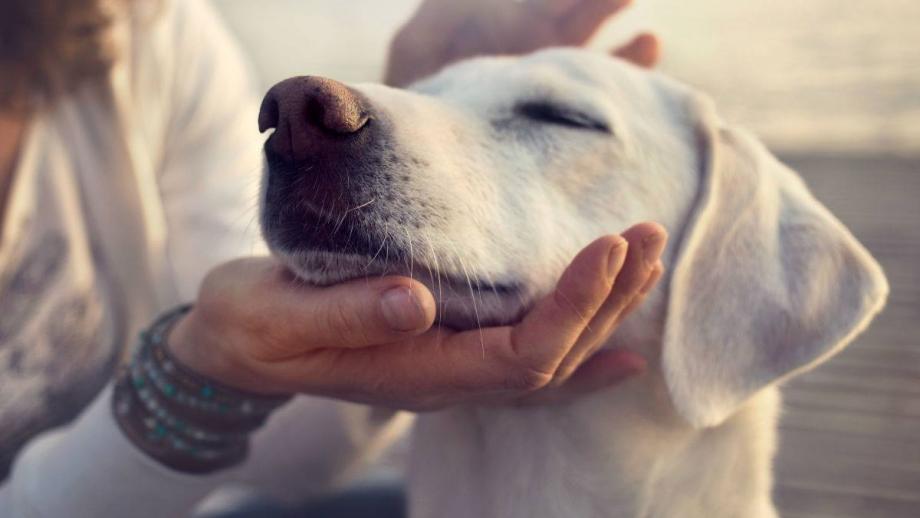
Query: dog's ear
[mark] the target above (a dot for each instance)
(767, 283)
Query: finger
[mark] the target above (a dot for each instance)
(551, 7)
(470, 39)
(644, 50)
(359, 313)
(548, 331)
(440, 17)
(583, 20)
(646, 243)
(604, 369)
(650, 284)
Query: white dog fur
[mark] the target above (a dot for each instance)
(764, 283)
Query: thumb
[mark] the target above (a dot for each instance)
(644, 50)
(362, 312)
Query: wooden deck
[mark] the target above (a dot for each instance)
(850, 441)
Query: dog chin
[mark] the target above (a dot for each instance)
(460, 305)
(328, 268)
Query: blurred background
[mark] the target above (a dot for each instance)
(834, 89)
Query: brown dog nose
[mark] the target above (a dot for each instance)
(308, 113)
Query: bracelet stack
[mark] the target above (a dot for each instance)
(180, 418)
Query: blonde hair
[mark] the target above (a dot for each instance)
(49, 47)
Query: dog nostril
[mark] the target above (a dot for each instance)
(335, 109)
(269, 113)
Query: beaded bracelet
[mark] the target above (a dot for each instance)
(180, 418)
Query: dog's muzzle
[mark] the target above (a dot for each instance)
(323, 161)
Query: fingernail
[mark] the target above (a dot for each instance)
(402, 310)
(652, 248)
(616, 258)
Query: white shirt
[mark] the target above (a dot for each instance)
(61, 334)
(130, 191)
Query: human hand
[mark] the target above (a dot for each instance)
(444, 31)
(256, 328)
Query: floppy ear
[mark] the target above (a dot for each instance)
(767, 283)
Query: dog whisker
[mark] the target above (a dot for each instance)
(382, 244)
(437, 269)
(469, 284)
(386, 234)
(363, 205)
(341, 221)
(411, 254)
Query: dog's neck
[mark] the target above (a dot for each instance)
(621, 452)
(615, 453)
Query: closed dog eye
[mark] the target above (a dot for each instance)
(551, 113)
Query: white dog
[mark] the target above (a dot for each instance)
(484, 182)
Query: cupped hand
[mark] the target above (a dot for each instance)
(256, 328)
(444, 31)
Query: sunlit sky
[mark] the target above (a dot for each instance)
(815, 75)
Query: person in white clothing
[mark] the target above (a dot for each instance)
(129, 171)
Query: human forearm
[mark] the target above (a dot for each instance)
(90, 469)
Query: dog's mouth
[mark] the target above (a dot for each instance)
(326, 250)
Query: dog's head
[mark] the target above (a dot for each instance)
(484, 181)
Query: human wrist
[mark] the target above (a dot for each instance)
(201, 352)
(196, 347)
(180, 418)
